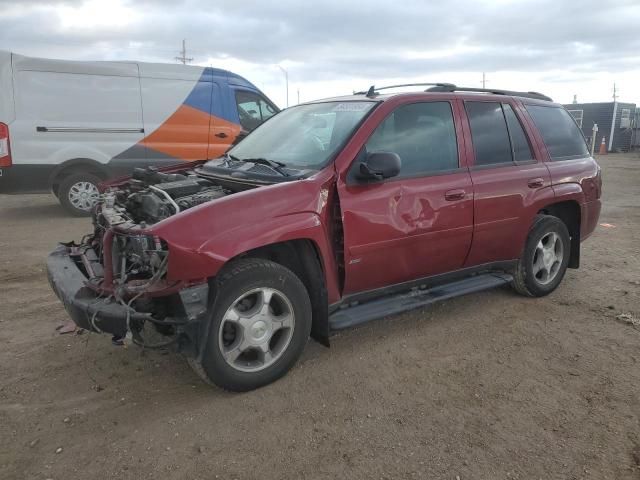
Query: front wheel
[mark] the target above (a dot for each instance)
(545, 258)
(260, 324)
(78, 193)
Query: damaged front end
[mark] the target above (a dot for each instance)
(117, 284)
(119, 279)
(115, 280)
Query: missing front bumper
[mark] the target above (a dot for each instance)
(86, 309)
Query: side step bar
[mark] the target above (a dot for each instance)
(347, 317)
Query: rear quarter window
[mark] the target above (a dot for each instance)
(559, 131)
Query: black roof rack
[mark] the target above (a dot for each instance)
(449, 87)
(372, 89)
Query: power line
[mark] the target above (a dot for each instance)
(183, 54)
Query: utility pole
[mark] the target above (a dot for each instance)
(286, 79)
(613, 118)
(298, 96)
(183, 54)
(484, 81)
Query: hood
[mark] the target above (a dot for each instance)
(257, 206)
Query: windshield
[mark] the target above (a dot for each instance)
(306, 136)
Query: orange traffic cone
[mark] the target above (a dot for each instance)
(603, 147)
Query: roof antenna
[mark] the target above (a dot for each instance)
(372, 91)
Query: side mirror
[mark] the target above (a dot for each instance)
(379, 165)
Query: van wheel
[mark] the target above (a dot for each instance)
(78, 193)
(260, 324)
(545, 258)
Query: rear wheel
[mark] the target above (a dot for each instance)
(545, 258)
(260, 324)
(78, 193)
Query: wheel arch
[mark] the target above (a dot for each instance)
(304, 259)
(76, 165)
(570, 213)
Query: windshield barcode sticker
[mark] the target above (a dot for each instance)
(351, 107)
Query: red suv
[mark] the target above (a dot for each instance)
(330, 214)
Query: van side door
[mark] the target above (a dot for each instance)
(224, 127)
(67, 111)
(176, 106)
(416, 224)
(509, 178)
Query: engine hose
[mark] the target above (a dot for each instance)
(167, 196)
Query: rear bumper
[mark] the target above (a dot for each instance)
(88, 311)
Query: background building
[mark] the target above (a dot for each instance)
(616, 122)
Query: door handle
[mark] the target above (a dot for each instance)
(535, 182)
(453, 195)
(221, 135)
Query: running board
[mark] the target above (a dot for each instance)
(347, 317)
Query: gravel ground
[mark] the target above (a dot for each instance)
(492, 385)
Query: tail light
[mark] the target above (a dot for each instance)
(5, 148)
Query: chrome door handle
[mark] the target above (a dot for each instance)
(453, 195)
(535, 182)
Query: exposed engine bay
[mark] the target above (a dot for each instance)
(138, 262)
(151, 196)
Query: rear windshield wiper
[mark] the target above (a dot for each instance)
(277, 166)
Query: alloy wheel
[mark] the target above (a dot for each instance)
(547, 258)
(256, 329)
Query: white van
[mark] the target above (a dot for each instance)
(66, 126)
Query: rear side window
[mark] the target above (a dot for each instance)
(521, 148)
(563, 138)
(422, 134)
(489, 133)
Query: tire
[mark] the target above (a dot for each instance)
(252, 343)
(77, 193)
(539, 273)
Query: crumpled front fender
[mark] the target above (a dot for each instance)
(207, 259)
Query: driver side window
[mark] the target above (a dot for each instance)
(253, 109)
(422, 134)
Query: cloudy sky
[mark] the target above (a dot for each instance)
(558, 47)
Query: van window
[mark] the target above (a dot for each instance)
(267, 110)
(561, 135)
(489, 133)
(253, 109)
(519, 142)
(422, 134)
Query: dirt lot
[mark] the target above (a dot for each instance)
(491, 385)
